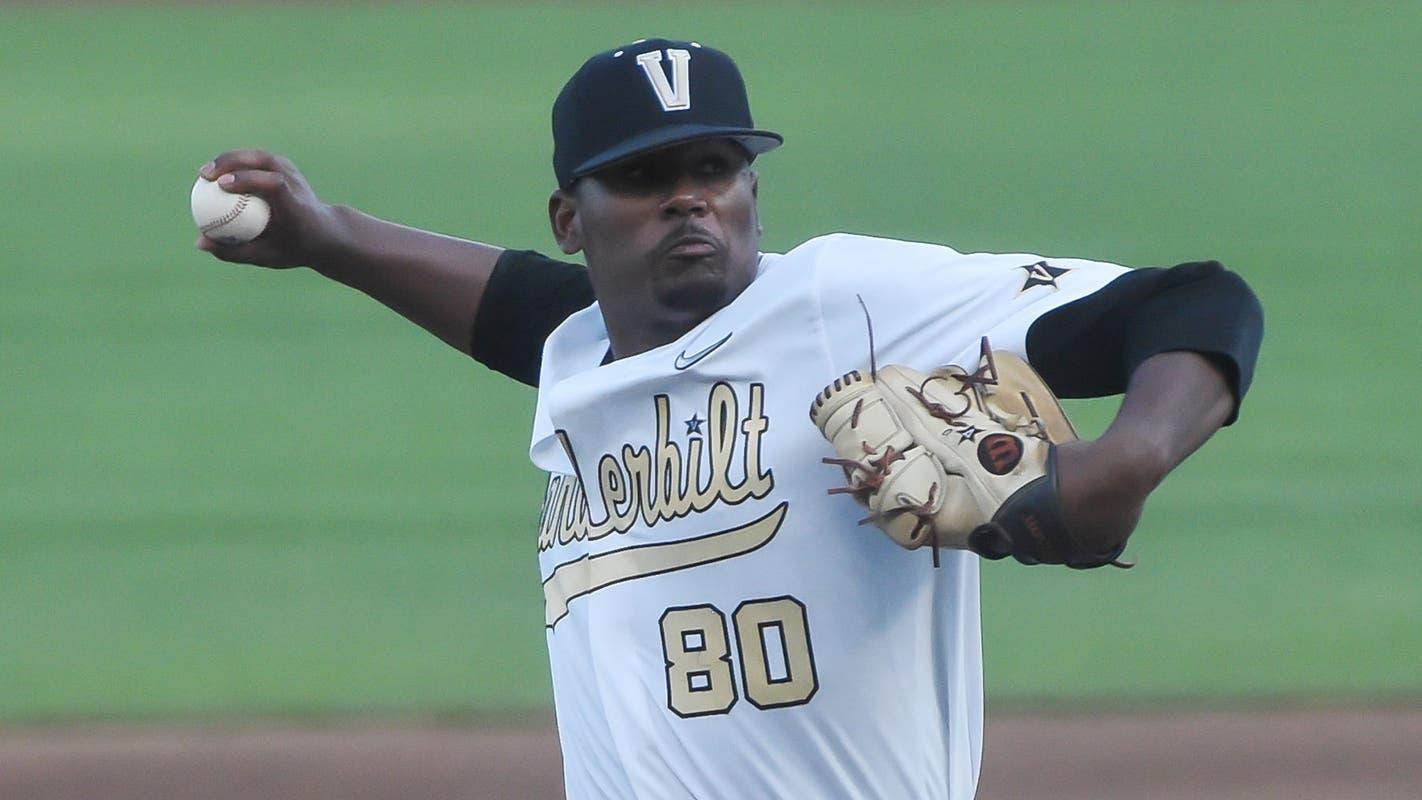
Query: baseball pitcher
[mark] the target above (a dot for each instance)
(772, 476)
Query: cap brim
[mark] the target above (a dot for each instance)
(753, 140)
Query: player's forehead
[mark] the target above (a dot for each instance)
(690, 151)
(656, 170)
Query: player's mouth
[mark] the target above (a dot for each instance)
(691, 246)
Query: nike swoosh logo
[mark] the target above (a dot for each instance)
(684, 361)
(587, 574)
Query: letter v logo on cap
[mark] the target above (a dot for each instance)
(676, 95)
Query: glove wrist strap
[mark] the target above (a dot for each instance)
(1029, 528)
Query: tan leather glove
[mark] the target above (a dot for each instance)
(956, 458)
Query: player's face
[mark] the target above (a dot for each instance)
(670, 236)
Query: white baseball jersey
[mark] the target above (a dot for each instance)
(718, 626)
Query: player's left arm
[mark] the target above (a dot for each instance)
(1182, 343)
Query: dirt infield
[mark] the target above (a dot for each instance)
(1299, 755)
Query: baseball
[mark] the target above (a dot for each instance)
(228, 218)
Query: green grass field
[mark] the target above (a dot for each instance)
(224, 490)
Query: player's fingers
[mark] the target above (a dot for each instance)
(267, 184)
(256, 252)
(225, 252)
(284, 165)
(234, 160)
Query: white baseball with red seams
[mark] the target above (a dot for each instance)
(225, 217)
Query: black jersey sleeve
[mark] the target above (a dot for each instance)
(527, 296)
(1090, 347)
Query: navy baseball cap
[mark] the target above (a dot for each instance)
(647, 95)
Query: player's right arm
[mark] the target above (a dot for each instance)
(441, 283)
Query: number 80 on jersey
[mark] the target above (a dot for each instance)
(777, 663)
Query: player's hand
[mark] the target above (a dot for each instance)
(301, 229)
(1104, 485)
(1175, 401)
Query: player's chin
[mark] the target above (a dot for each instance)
(701, 284)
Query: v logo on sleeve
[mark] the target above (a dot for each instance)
(1041, 274)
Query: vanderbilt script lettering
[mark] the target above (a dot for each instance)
(659, 482)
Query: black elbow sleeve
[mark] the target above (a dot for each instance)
(1090, 347)
(527, 296)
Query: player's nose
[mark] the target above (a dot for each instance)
(686, 198)
(684, 205)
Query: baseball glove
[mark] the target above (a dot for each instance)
(956, 459)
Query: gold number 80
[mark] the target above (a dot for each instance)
(777, 663)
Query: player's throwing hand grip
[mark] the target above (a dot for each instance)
(228, 218)
(956, 458)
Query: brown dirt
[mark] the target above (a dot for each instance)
(1294, 754)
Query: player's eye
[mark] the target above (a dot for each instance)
(635, 172)
(633, 177)
(713, 165)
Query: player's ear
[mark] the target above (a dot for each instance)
(755, 196)
(563, 218)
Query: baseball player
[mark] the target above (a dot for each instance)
(719, 625)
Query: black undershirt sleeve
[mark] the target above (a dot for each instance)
(1086, 348)
(1090, 347)
(527, 296)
